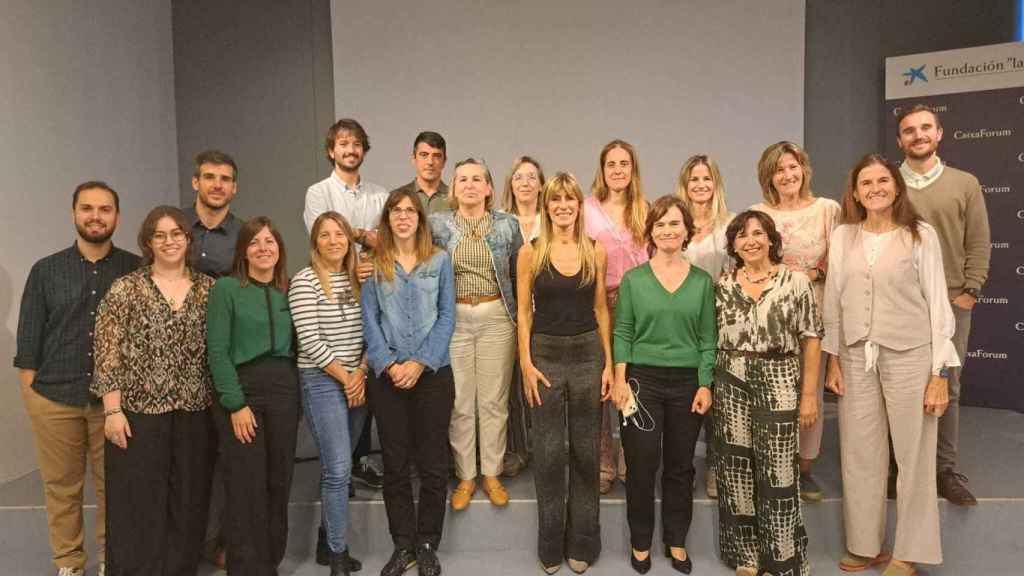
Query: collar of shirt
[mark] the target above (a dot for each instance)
(442, 188)
(74, 251)
(193, 218)
(354, 190)
(918, 181)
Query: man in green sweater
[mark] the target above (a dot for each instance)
(952, 202)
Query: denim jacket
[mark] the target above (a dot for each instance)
(411, 317)
(504, 241)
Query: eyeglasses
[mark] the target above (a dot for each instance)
(525, 177)
(163, 237)
(398, 212)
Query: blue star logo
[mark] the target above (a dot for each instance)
(914, 74)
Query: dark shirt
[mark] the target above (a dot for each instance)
(213, 250)
(561, 306)
(56, 323)
(436, 203)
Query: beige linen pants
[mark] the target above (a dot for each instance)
(66, 437)
(889, 400)
(483, 354)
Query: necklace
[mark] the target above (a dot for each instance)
(759, 280)
(171, 284)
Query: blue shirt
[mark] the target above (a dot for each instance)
(411, 317)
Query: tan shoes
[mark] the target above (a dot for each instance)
(854, 563)
(894, 569)
(463, 494)
(495, 491)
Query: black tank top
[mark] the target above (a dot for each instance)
(561, 306)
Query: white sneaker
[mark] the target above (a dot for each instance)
(66, 571)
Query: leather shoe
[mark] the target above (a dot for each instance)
(851, 562)
(401, 560)
(495, 491)
(641, 566)
(463, 494)
(426, 561)
(684, 566)
(953, 487)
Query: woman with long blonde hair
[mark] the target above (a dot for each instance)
(565, 353)
(615, 216)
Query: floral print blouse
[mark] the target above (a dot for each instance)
(154, 355)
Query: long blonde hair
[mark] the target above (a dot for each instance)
(348, 264)
(384, 254)
(636, 203)
(719, 212)
(564, 183)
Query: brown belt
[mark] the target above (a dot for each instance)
(474, 300)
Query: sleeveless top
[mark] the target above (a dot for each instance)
(561, 306)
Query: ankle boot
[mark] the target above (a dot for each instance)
(323, 553)
(339, 564)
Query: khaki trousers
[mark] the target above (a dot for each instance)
(65, 436)
(482, 353)
(889, 401)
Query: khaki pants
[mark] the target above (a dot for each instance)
(64, 437)
(884, 401)
(482, 353)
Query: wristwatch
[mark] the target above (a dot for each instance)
(944, 372)
(973, 292)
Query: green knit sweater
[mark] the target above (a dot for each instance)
(244, 324)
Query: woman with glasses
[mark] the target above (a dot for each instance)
(151, 374)
(409, 316)
(324, 302)
(481, 243)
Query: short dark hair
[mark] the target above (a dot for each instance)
(658, 210)
(345, 125)
(148, 228)
(217, 158)
(739, 223)
(919, 108)
(91, 184)
(432, 139)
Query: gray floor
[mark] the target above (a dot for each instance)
(983, 540)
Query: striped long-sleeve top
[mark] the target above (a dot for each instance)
(327, 330)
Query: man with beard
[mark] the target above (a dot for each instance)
(952, 202)
(55, 362)
(214, 227)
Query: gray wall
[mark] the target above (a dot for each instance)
(87, 94)
(256, 83)
(847, 43)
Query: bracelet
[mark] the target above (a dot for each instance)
(111, 412)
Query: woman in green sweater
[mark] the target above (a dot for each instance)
(252, 359)
(664, 347)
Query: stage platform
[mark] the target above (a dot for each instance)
(987, 539)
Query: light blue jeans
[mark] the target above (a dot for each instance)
(336, 429)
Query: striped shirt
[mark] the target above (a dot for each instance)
(474, 265)
(327, 330)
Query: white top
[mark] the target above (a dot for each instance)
(327, 330)
(918, 181)
(710, 253)
(928, 263)
(361, 205)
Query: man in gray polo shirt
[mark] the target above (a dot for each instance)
(429, 154)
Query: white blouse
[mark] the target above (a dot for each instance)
(710, 254)
(928, 263)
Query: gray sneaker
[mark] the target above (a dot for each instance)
(809, 489)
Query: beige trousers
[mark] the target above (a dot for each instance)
(483, 354)
(65, 437)
(889, 401)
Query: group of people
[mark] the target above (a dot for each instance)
(484, 341)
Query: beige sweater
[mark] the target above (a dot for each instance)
(955, 206)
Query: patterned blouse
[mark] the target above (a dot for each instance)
(474, 265)
(773, 324)
(154, 355)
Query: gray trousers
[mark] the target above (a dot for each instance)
(947, 456)
(568, 524)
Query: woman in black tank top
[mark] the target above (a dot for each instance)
(565, 354)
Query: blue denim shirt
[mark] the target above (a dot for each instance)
(504, 241)
(411, 317)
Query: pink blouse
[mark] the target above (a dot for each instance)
(623, 252)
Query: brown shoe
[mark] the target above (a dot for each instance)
(894, 569)
(463, 494)
(953, 487)
(854, 563)
(495, 491)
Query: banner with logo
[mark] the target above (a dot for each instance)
(979, 95)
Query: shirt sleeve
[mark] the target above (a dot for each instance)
(831, 312)
(303, 303)
(108, 343)
(707, 335)
(625, 323)
(379, 353)
(831, 216)
(219, 319)
(977, 239)
(31, 322)
(435, 346)
(808, 318)
(316, 204)
(928, 259)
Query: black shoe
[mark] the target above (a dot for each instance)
(351, 563)
(684, 566)
(953, 487)
(890, 486)
(365, 472)
(426, 561)
(323, 553)
(351, 490)
(339, 564)
(401, 560)
(641, 566)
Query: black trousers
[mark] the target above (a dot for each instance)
(413, 428)
(667, 395)
(258, 475)
(157, 493)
